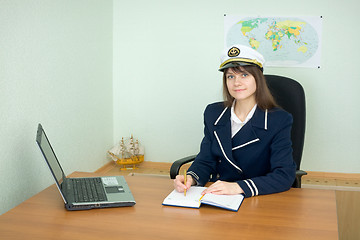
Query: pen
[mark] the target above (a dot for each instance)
(185, 182)
(201, 197)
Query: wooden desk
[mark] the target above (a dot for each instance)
(295, 214)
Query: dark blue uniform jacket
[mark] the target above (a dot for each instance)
(258, 157)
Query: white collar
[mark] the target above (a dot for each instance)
(235, 118)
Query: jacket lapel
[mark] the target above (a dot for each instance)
(247, 135)
(222, 134)
(244, 137)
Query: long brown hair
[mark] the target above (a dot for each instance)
(263, 96)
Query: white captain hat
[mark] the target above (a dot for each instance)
(240, 55)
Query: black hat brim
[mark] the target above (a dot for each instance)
(235, 65)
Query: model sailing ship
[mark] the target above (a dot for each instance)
(128, 153)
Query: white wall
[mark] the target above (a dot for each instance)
(166, 55)
(55, 68)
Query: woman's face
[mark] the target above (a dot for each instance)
(241, 84)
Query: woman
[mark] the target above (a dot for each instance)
(247, 147)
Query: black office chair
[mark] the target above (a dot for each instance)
(289, 94)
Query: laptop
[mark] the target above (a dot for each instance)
(84, 193)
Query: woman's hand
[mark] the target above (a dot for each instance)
(226, 188)
(179, 183)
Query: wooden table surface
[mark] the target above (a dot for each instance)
(295, 214)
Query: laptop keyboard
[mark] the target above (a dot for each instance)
(88, 190)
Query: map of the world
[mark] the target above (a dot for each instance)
(284, 41)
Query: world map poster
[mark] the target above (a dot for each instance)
(283, 41)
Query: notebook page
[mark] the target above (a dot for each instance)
(226, 201)
(191, 199)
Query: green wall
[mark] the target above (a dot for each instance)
(55, 68)
(166, 55)
(93, 71)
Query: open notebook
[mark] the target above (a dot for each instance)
(194, 199)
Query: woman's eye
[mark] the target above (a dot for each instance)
(244, 75)
(230, 77)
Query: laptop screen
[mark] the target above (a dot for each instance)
(49, 155)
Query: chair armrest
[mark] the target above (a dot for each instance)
(299, 174)
(175, 167)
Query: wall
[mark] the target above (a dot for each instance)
(166, 55)
(55, 68)
(59, 67)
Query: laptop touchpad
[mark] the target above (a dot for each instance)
(114, 189)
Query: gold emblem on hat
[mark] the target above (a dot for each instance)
(233, 52)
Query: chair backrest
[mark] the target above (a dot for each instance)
(290, 96)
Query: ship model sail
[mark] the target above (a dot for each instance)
(128, 153)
